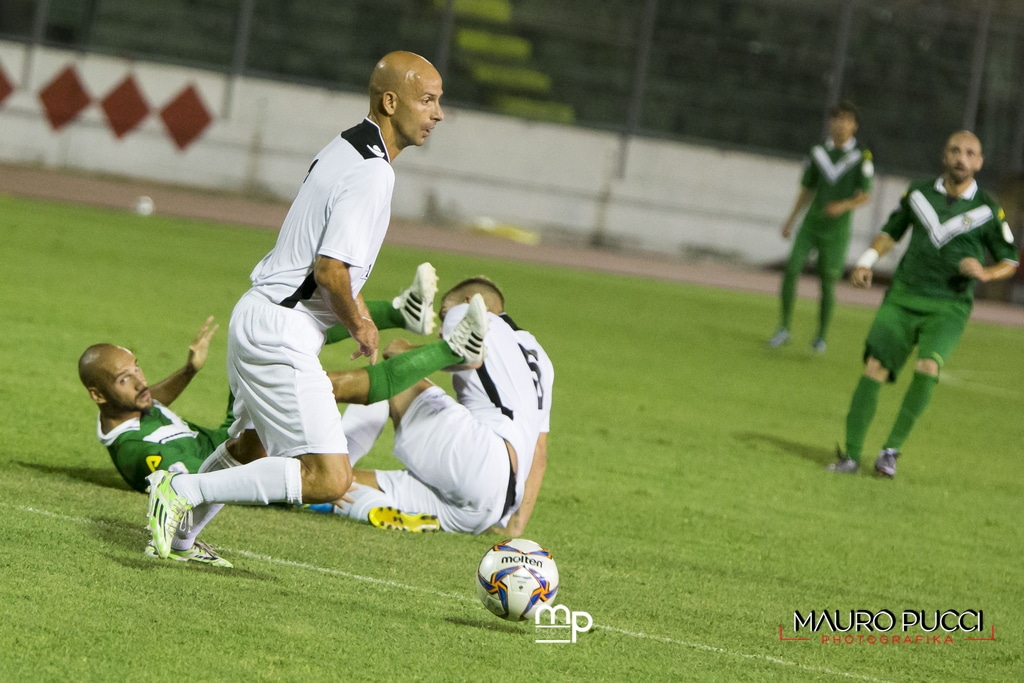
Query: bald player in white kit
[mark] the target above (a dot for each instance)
(308, 282)
(473, 463)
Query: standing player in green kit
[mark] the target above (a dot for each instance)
(952, 224)
(836, 180)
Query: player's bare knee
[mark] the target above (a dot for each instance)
(247, 447)
(400, 403)
(874, 369)
(927, 366)
(325, 477)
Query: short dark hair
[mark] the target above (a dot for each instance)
(844, 107)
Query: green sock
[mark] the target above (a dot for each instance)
(862, 411)
(787, 298)
(384, 316)
(917, 398)
(828, 305)
(400, 372)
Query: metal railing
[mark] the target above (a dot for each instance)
(756, 74)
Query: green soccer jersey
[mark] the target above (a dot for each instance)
(834, 174)
(158, 440)
(944, 231)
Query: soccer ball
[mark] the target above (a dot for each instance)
(515, 577)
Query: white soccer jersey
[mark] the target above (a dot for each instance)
(342, 211)
(511, 393)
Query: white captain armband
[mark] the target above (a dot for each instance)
(868, 259)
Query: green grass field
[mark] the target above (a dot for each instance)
(685, 500)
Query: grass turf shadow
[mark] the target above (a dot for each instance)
(816, 454)
(98, 476)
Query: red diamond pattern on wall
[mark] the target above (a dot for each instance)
(186, 117)
(6, 88)
(64, 98)
(125, 107)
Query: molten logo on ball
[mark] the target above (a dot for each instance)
(516, 577)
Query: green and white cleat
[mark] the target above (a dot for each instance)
(167, 509)
(200, 552)
(395, 519)
(417, 302)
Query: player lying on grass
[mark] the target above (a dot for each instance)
(143, 435)
(474, 461)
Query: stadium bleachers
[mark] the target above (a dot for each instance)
(754, 74)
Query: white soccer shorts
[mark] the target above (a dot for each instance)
(278, 382)
(457, 468)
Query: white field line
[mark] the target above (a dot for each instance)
(463, 598)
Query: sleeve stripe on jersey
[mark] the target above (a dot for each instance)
(492, 391)
(304, 291)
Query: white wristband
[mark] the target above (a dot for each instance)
(868, 259)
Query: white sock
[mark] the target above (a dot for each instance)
(220, 459)
(365, 498)
(362, 426)
(186, 535)
(261, 482)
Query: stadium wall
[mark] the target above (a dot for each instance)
(199, 128)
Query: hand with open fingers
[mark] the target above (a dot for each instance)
(200, 346)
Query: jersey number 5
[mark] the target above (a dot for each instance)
(531, 360)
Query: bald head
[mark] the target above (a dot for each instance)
(962, 137)
(96, 363)
(115, 381)
(405, 100)
(962, 159)
(400, 72)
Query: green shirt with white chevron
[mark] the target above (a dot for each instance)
(834, 174)
(945, 230)
(156, 441)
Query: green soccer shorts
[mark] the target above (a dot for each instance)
(830, 239)
(934, 326)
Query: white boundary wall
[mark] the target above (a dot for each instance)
(674, 198)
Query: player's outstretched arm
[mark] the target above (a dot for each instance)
(517, 522)
(971, 267)
(168, 389)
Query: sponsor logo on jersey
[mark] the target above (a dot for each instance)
(376, 150)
